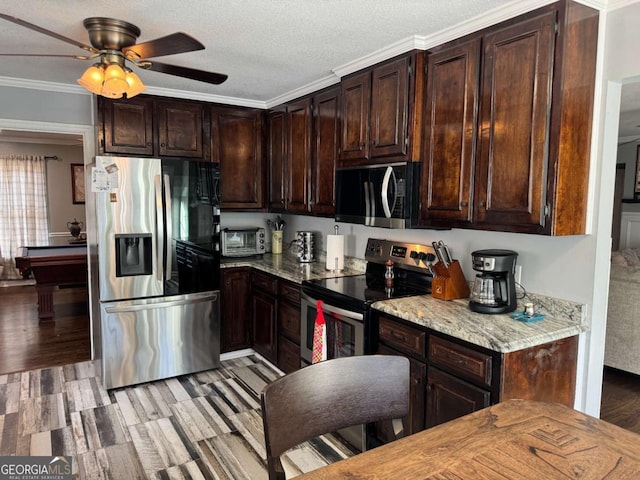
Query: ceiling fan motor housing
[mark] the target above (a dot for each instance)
(111, 34)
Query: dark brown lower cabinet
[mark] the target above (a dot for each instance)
(275, 313)
(235, 323)
(288, 326)
(449, 397)
(263, 335)
(451, 378)
(414, 421)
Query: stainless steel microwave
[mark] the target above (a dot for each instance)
(384, 195)
(243, 241)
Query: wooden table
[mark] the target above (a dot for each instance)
(516, 439)
(51, 267)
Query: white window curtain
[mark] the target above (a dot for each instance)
(23, 208)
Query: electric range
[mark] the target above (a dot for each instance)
(345, 303)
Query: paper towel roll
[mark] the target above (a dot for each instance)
(335, 252)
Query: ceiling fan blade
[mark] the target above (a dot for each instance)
(48, 32)
(192, 73)
(171, 44)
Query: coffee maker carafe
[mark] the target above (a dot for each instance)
(494, 289)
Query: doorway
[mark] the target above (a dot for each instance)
(621, 390)
(81, 330)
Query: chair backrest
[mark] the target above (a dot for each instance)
(329, 396)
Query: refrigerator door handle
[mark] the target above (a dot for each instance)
(168, 223)
(159, 227)
(136, 307)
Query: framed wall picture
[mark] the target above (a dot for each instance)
(77, 182)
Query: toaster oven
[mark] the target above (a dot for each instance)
(243, 241)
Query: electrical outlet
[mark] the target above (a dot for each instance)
(518, 275)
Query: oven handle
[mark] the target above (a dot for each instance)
(358, 317)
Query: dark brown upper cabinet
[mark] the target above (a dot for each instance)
(126, 126)
(298, 164)
(180, 129)
(514, 117)
(356, 105)
(381, 110)
(277, 153)
(237, 146)
(450, 134)
(303, 151)
(326, 147)
(153, 126)
(515, 156)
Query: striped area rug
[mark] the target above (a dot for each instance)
(201, 426)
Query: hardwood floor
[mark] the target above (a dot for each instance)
(621, 399)
(27, 343)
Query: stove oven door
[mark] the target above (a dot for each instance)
(345, 338)
(345, 330)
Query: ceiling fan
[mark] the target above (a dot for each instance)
(113, 44)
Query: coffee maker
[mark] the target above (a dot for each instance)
(494, 289)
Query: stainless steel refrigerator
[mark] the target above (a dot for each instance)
(158, 260)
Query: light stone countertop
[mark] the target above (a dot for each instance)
(499, 332)
(287, 266)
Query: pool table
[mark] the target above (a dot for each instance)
(53, 266)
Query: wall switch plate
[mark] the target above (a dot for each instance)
(518, 274)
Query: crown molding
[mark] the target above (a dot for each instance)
(165, 92)
(304, 90)
(205, 97)
(487, 19)
(40, 85)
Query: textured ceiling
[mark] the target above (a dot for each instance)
(270, 49)
(267, 47)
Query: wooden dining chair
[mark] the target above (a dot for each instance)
(331, 395)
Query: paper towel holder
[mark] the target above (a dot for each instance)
(335, 263)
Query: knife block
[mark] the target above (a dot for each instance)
(450, 282)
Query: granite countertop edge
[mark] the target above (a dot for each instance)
(499, 333)
(286, 266)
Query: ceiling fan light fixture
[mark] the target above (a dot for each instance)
(92, 78)
(111, 80)
(135, 84)
(114, 80)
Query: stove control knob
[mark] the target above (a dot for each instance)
(415, 254)
(427, 257)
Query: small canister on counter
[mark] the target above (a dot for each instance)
(306, 247)
(276, 241)
(528, 309)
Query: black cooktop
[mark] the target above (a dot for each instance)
(361, 290)
(412, 277)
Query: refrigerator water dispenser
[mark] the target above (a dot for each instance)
(133, 254)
